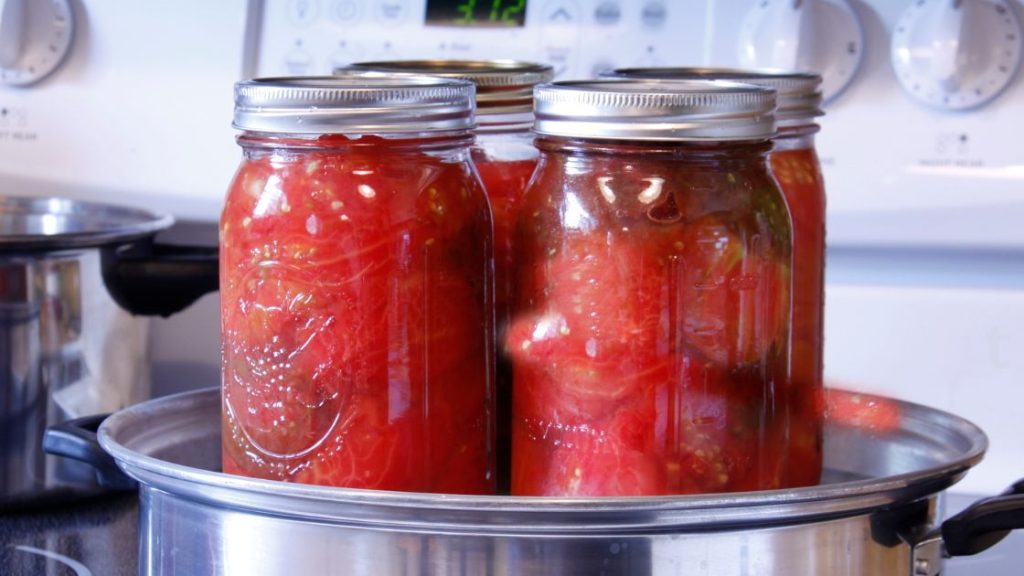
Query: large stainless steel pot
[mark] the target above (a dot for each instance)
(875, 515)
(73, 278)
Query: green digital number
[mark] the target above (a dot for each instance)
(501, 12)
(466, 8)
(508, 15)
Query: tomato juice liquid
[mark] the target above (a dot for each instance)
(357, 333)
(505, 182)
(799, 175)
(652, 322)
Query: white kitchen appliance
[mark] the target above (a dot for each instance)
(920, 145)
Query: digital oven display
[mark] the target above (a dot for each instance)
(477, 13)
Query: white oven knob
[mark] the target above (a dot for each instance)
(823, 36)
(956, 54)
(35, 35)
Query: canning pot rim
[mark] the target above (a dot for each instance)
(114, 223)
(448, 513)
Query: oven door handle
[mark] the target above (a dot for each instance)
(76, 439)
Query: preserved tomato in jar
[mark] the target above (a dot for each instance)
(652, 327)
(505, 157)
(794, 163)
(356, 288)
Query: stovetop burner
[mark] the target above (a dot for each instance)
(94, 537)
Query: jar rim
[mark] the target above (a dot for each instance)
(502, 86)
(798, 93)
(333, 105)
(641, 109)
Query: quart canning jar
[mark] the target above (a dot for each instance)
(505, 156)
(357, 288)
(794, 162)
(652, 327)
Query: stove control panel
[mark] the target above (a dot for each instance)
(922, 96)
(580, 38)
(912, 153)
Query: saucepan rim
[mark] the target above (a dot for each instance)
(195, 415)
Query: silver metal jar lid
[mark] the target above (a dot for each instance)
(798, 93)
(502, 86)
(332, 105)
(626, 109)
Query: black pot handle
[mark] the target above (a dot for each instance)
(152, 279)
(76, 439)
(984, 523)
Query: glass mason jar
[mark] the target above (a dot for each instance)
(357, 288)
(505, 156)
(794, 163)
(652, 327)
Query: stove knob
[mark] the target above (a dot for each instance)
(823, 36)
(35, 35)
(956, 54)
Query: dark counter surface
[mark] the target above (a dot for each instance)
(93, 537)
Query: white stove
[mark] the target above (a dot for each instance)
(924, 173)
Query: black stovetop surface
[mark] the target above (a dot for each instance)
(96, 536)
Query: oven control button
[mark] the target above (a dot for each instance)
(559, 30)
(560, 13)
(561, 58)
(823, 36)
(298, 62)
(345, 11)
(303, 13)
(607, 13)
(956, 54)
(391, 12)
(35, 36)
(654, 14)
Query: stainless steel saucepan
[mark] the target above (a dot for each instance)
(875, 514)
(74, 279)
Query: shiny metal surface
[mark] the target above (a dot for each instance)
(182, 536)
(60, 223)
(364, 105)
(502, 86)
(798, 93)
(881, 492)
(628, 109)
(66, 348)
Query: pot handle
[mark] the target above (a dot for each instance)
(76, 439)
(984, 523)
(152, 279)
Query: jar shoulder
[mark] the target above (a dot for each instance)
(612, 192)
